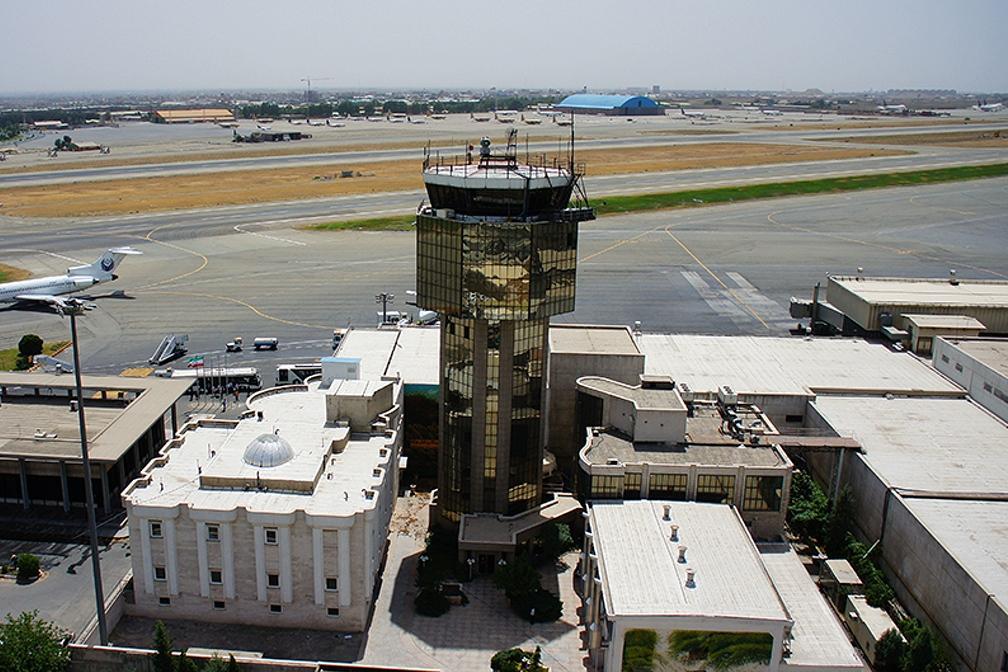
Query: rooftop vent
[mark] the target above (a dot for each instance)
(612, 461)
(727, 396)
(860, 273)
(682, 554)
(953, 280)
(666, 508)
(675, 536)
(685, 392)
(690, 577)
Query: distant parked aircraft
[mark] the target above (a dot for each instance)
(48, 290)
(988, 107)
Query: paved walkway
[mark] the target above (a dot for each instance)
(466, 637)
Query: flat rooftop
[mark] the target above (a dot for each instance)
(374, 349)
(992, 352)
(788, 366)
(591, 339)
(818, 639)
(112, 428)
(924, 444)
(611, 445)
(415, 356)
(964, 322)
(641, 397)
(926, 291)
(975, 533)
(641, 575)
(320, 481)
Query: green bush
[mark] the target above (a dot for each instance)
(431, 601)
(517, 578)
(539, 606)
(30, 644)
(889, 652)
(27, 567)
(809, 507)
(639, 650)
(163, 661)
(555, 540)
(517, 660)
(722, 650)
(30, 345)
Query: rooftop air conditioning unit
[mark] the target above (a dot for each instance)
(685, 392)
(727, 396)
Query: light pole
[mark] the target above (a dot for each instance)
(384, 298)
(74, 308)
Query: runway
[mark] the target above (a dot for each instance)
(724, 269)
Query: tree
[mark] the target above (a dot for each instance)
(27, 567)
(163, 661)
(30, 345)
(232, 665)
(517, 578)
(185, 664)
(431, 601)
(517, 660)
(556, 540)
(30, 644)
(889, 652)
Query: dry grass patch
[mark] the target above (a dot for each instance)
(12, 273)
(205, 190)
(995, 138)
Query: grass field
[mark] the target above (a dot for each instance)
(618, 205)
(206, 190)
(643, 202)
(981, 139)
(8, 356)
(12, 273)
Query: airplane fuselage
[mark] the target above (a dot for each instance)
(54, 285)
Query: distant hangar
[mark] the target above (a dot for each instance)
(589, 103)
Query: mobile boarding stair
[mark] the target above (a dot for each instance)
(172, 346)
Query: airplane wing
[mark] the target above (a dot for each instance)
(59, 303)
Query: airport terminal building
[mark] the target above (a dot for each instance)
(128, 420)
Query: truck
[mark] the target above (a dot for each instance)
(235, 345)
(265, 343)
(208, 379)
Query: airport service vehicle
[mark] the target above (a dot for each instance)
(337, 337)
(287, 374)
(390, 317)
(235, 345)
(48, 290)
(172, 347)
(244, 378)
(265, 343)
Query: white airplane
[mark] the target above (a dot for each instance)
(891, 109)
(697, 114)
(772, 113)
(989, 107)
(48, 290)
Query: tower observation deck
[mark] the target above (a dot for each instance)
(496, 258)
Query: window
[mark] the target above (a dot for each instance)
(215, 577)
(958, 367)
(606, 487)
(273, 580)
(164, 601)
(945, 358)
(275, 609)
(631, 486)
(668, 486)
(1000, 395)
(793, 418)
(331, 583)
(160, 574)
(714, 488)
(213, 532)
(155, 529)
(987, 387)
(271, 535)
(218, 604)
(332, 611)
(762, 493)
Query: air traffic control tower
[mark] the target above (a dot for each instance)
(496, 257)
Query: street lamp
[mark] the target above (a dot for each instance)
(75, 307)
(384, 298)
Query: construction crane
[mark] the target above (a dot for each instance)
(308, 81)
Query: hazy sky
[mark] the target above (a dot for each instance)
(69, 45)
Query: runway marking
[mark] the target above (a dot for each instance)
(717, 300)
(51, 254)
(238, 229)
(914, 200)
(176, 278)
(756, 298)
(245, 304)
(732, 292)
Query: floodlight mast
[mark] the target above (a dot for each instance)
(74, 308)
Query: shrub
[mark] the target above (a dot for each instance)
(431, 601)
(30, 643)
(639, 650)
(889, 652)
(539, 606)
(556, 539)
(162, 649)
(809, 507)
(517, 578)
(517, 660)
(27, 567)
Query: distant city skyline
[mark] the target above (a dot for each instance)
(64, 46)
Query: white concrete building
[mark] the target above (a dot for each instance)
(980, 365)
(280, 518)
(652, 573)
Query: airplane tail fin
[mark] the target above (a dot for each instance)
(104, 268)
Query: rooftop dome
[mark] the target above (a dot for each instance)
(268, 450)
